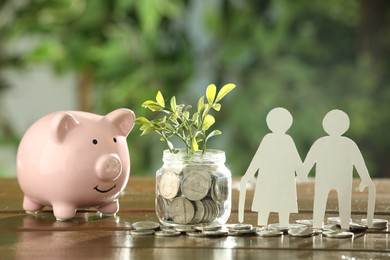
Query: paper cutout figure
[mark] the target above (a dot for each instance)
(276, 160)
(335, 156)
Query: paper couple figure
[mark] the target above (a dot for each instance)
(335, 156)
(276, 161)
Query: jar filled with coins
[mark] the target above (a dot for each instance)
(193, 188)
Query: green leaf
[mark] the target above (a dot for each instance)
(186, 114)
(194, 145)
(200, 104)
(149, 102)
(148, 130)
(210, 93)
(173, 103)
(195, 117)
(152, 105)
(160, 99)
(224, 91)
(208, 121)
(213, 133)
(217, 106)
(142, 120)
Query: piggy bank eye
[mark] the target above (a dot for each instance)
(94, 141)
(114, 139)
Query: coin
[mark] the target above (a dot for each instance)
(268, 232)
(240, 226)
(181, 210)
(331, 227)
(219, 191)
(196, 185)
(162, 207)
(301, 232)
(356, 228)
(377, 224)
(211, 210)
(146, 225)
(190, 168)
(199, 212)
(167, 233)
(169, 185)
(196, 234)
(242, 232)
(285, 229)
(146, 232)
(337, 234)
(184, 228)
(306, 222)
(218, 232)
(335, 220)
(208, 226)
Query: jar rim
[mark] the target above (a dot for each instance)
(211, 155)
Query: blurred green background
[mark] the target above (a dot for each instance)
(307, 56)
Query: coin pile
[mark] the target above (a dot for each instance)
(144, 228)
(191, 195)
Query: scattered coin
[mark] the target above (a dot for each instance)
(208, 226)
(306, 222)
(240, 226)
(301, 232)
(196, 185)
(377, 224)
(181, 210)
(146, 232)
(196, 234)
(218, 232)
(356, 228)
(331, 227)
(337, 234)
(335, 220)
(242, 232)
(169, 185)
(146, 225)
(268, 232)
(167, 233)
(285, 229)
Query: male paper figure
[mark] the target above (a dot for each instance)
(276, 160)
(335, 156)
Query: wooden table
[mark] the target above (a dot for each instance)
(88, 235)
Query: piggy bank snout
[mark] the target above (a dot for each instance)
(108, 167)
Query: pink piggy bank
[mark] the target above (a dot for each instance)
(71, 160)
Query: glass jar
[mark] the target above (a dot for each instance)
(193, 188)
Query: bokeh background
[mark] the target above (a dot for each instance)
(97, 55)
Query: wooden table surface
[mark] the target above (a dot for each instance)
(88, 235)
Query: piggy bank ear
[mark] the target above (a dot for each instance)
(122, 119)
(61, 125)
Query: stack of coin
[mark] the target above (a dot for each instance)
(241, 230)
(144, 228)
(191, 195)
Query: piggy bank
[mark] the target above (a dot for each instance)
(71, 160)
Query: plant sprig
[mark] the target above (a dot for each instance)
(177, 120)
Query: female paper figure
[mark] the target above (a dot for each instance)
(276, 160)
(335, 156)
